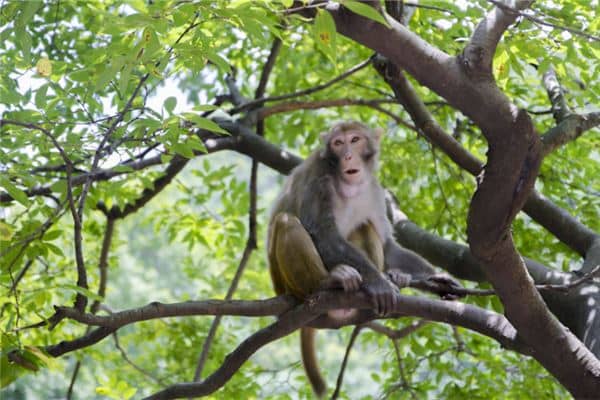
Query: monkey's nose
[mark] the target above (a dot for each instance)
(348, 156)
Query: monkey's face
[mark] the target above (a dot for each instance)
(353, 152)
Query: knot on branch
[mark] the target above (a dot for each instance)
(473, 63)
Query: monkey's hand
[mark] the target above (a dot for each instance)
(398, 277)
(346, 277)
(446, 286)
(383, 293)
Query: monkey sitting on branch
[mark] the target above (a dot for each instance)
(330, 223)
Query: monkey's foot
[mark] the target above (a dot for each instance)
(446, 284)
(398, 277)
(346, 277)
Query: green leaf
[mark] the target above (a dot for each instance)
(196, 144)
(40, 96)
(55, 249)
(125, 75)
(86, 292)
(205, 123)
(182, 149)
(52, 235)
(169, 104)
(123, 168)
(6, 231)
(14, 191)
(217, 60)
(205, 107)
(325, 34)
(366, 11)
(105, 76)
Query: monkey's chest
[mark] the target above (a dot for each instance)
(352, 212)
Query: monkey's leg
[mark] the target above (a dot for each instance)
(276, 277)
(297, 262)
(366, 239)
(296, 268)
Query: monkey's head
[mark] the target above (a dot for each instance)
(352, 149)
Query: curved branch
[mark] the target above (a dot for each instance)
(175, 166)
(478, 54)
(286, 324)
(569, 129)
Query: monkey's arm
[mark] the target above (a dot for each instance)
(317, 217)
(403, 265)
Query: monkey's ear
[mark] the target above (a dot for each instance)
(324, 142)
(324, 137)
(378, 134)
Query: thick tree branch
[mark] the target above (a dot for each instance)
(292, 317)
(422, 118)
(87, 340)
(479, 52)
(556, 220)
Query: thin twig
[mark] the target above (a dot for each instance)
(571, 285)
(260, 101)
(143, 371)
(396, 334)
(542, 22)
(74, 375)
(216, 321)
(340, 378)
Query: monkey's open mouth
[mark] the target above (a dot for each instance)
(352, 171)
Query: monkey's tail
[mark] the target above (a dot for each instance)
(309, 359)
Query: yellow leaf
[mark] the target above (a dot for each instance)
(44, 67)
(6, 231)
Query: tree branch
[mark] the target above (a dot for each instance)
(340, 378)
(569, 129)
(545, 23)
(478, 54)
(175, 166)
(316, 104)
(556, 220)
(560, 109)
(258, 102)
(217, 320)
(286, 324)
(396, 334)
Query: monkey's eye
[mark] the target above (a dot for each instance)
(338, 142)
(355, 139)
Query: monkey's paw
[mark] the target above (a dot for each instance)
(446, 286)
(398, 277)
(347, 277)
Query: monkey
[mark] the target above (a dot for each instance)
(330, 223)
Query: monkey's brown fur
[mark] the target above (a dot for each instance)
(330, 221)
